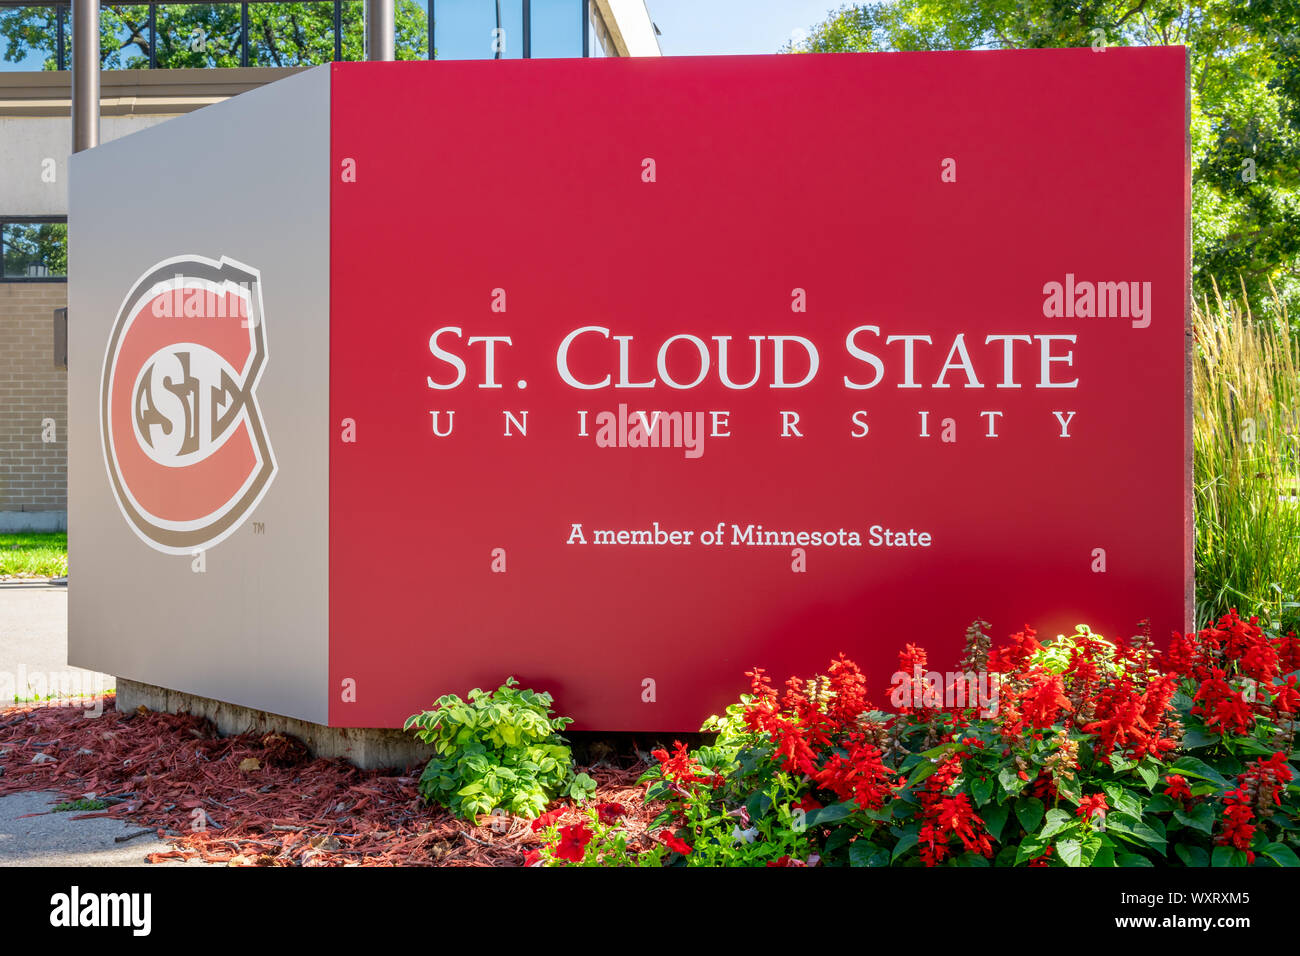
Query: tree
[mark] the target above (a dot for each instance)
(1245, 123)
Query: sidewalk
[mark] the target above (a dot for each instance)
(34, 643)
(55, 839)
(33, 660)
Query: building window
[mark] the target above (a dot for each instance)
(599, 42)
(196, 35)
(272, 33)
(479, 29)
(556, 28)
(33, 250)
(29, 37)
(126, 37)
(268, 33)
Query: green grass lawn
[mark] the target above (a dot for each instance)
(30, 553)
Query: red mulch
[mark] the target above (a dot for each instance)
(169, 771)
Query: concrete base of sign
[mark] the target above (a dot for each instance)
(369, 749)
(21, 521)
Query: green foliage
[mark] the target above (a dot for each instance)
(1246, 405)
(752, 820)
(499, 750)
(1245, 88)
(25, 30)
(80, 806)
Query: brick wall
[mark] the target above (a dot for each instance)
(33, 472)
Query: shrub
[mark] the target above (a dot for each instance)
(497, 751)
(1097, 753)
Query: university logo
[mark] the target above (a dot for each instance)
(184, 442)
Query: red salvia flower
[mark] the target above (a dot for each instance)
(1267, 777)
(1288, 653)
(1238, 830)
(1045, 699)
(1222, 705)
(681, 768)
(861, 776)
(925, 699)
(850, 692)
(944, 817)
(1094, 804)
(808, 803)
(1124, 724)
(1286, 696)
(1008, 660)
(958, 817)
(1176, 788)
(1043, 787)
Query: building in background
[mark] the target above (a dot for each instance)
(162, 60)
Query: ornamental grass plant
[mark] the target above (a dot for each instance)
(1246, 432)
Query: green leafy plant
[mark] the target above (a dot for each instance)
(499, 750)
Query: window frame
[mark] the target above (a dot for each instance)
(28, 220)
(582, 9)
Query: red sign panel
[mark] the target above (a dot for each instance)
(645, 372)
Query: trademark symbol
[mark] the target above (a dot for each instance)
(259, 527)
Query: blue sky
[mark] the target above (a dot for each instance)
(695, 27)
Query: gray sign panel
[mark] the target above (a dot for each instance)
(223, 208)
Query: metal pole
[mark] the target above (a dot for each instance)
(85, 75)
(381, 30)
